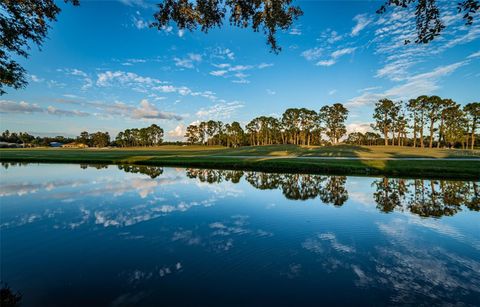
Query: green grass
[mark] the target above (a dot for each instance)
(279, 158)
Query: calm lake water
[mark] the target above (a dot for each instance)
(113, 236)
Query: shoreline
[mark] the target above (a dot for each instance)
(431, 169)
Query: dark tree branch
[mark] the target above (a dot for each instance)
(428, 22)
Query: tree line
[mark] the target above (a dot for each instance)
(426, 121)
(431, 121)
(149, 136)
(298, 126)
(28, 140)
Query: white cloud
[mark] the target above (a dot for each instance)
(148, 111)
(295, 31)
(329, 36)
(218, 73)
(36, 79)
(339, 53)
(270, 92)
(227, 70)
(474, 55)
(181, 33)
(189, 61)
(140, 3)
(220, 111)
(131, 62)
(332, 92)
(241, 81)
(312, 54)
(223, 53)
(264, 65)
(87, 81)
(371, 88)
(109, 78)
(178, 132)
(413, 86)
(398, 25)
(335, 56)
(362, 22)
(22, 107)
(359, 127)
(139, 22)
(326, 63)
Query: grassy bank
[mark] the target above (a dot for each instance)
(272, 158)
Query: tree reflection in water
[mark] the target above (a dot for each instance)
(330, 189)
(152, 171)
(423, 197)
(426, 198)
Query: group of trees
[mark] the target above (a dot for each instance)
(18, 138)
(431, 121)
(97, 139)
(28, 140)
(296, 126)
(426, 121)
(150, 136)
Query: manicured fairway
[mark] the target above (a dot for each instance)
(364, 160)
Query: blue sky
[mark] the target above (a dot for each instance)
(103, 69)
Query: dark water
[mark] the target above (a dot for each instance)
(112, 236)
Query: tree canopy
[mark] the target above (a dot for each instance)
(22, 22)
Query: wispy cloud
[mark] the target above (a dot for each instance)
(362, 21)
(36, 79)
(222, 53)
(335, 56)
(312, 54)
(145, 110)
(236, 71)
(220, 111)
(295, 31)
(22, 107)
(413, 86)
(189, 61)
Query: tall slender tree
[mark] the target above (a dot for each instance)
(434, 105)
(385, 110)
(472, 111)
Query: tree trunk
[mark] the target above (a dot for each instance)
(474, 124)
(440, 133)
(421, 132)
(431, 133)
(415, 128)
(385, 134)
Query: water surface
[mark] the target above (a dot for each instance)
(124, 235)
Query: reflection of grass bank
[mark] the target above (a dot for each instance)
(266, 158)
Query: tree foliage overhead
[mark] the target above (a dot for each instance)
(22, 22)
(427, 14)
(265, 15)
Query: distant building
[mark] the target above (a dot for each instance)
(56, 144)
(74, 145)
